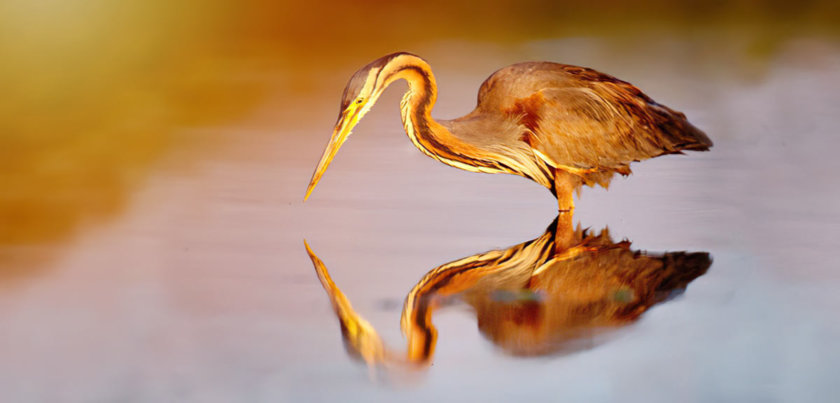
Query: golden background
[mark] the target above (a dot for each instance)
(93, 92)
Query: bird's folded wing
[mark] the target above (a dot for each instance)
(599, 126)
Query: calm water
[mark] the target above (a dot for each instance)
(200, 289)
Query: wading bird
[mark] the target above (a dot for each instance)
(561, 126)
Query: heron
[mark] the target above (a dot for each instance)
(560, 125)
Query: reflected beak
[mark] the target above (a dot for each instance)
(345, 124)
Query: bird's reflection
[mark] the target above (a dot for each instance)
(558, 293)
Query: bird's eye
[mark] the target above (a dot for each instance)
(358, 101)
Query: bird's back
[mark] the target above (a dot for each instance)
(521, 80)
(581, 119)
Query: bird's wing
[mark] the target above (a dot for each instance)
(599, 125)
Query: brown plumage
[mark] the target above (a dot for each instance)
(562, 126)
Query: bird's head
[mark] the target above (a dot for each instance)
(361, 92)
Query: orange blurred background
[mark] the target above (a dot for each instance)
(95, 91)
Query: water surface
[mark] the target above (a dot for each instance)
(200, 289)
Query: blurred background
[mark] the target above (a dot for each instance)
(94, 92)
(150, 151)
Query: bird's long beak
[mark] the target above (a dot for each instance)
(345, 124)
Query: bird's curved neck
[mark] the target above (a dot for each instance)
(416, 106)
(429, 136)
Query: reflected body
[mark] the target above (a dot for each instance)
(562, 126)
(528, 299)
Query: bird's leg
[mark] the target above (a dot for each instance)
(564, 188)
(564, 234)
